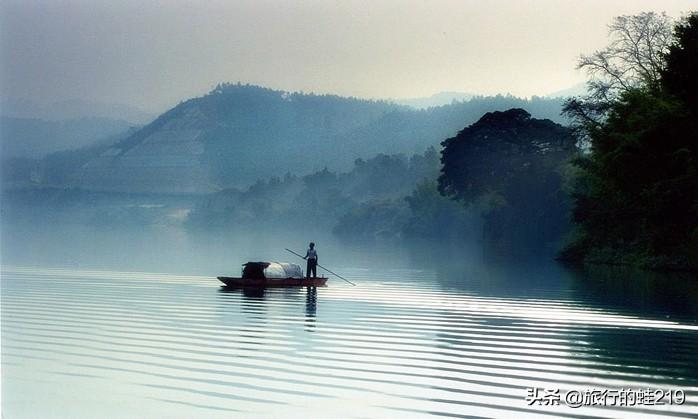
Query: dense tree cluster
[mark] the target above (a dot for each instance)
(636, 200)
(511, 166)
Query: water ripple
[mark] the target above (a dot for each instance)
(397, 344)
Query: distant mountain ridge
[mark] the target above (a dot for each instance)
(239, 133)
(579, 89)
(437, 99)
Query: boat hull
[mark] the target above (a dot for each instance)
(272, 283)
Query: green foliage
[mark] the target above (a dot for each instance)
(679, 75)
(498, 151)
(631, 61)
(636, 200)
(511, 167)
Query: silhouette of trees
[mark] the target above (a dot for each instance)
(510, 166)
(634, 58)
(636, 200)
(679, 74)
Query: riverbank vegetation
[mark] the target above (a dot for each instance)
(636, 196)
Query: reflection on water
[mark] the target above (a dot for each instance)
(428, 330)
(450, 339)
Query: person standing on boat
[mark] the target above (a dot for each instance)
(311, 257)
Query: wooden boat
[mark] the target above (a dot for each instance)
(271, 274)
(272, 282)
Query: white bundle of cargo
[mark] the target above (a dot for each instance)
(283, 270)
(272, 270)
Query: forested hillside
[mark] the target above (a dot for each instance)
(237, 134)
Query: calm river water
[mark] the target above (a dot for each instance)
(425, 332)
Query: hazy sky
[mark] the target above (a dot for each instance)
(152, 54)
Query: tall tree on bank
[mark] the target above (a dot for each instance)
(510, 166)
(634, 59)
(636, 199)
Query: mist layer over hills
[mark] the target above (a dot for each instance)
(238, 133)
(73, 109)
(31, 130)
(36, 138)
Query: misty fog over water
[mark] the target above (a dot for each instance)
(173, 249)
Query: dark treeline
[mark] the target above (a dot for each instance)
(636, 196)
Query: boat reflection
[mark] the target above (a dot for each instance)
(256, 300)
(310, 308)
